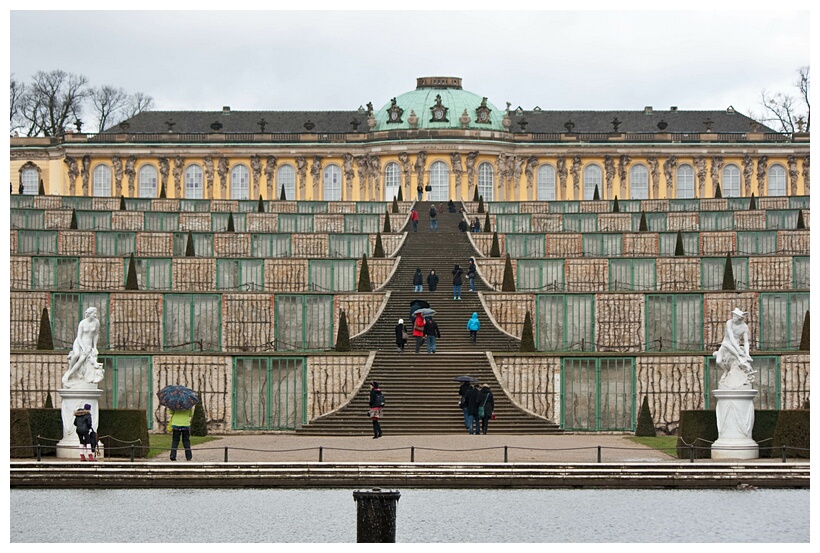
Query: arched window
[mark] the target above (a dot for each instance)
(638, 182)
(240, 177)
(102, 180)
(485, 181)
(29, 178)
(545, 183)
(286, 176)
(392, 180)
(148, 182)
(731, 181)
(777, 180)
(593, 176)
(332, 182)
(193, 182)
(685, 181)
(440, 182)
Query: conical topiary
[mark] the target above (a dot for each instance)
(475, 194)
(487, 226)
(643, 226)
(343, 336)
(260, 207)
(401, 194)
(717, 191)
(752, 202)
(508, 282)
(131, 279)
(645, 426)
(73, 224)
(386, 228)
(189, 246)
(596, 195)
(615, 207)
(48, 404)
(481, 204)
(527, 340)
(495, 249)
(804, 337)
(122, 203)
(44, 338)
(378, 248)
(282, 196)
(801, 223)
(41, 191)
(230, 223)
(162, 190)
(679, 245)
(395, 204)
(728, 274)
(199, 423)
(364, 277)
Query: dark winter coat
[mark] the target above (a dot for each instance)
(400, 339)
(418, 280)
(432, 281)
(431, 328)
(462, 225)
(82, 420)
(471, 270)
(486, 395)
(464, 387)
(457, 272)
(374, 392)
(471, 401)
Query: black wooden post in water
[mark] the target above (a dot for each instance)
(376, 515)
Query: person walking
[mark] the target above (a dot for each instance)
(180, 426)
(414, 218)
(376, 405)
(401, 336)
(486, 404)
(432, 280)
(420, 191)
(431, 333)
(82, 420)
(471, 400)
(462, 225)
(462, 402)
(457, 272)
(472, 272)
(418, 281)
(473, 325)
(418, 330)
(433, 219)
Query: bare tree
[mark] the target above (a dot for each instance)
(137, 103)
(17, 91)
(108, 102)
(51, 101)
(790, 114)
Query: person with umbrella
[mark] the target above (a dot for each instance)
(471, 401)
(180, 402)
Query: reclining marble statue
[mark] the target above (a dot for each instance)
(83, 369)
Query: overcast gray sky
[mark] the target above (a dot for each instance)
(323, 60)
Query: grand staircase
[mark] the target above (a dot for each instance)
(420, 391)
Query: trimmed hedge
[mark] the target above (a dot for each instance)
(792, 430)
(119, 428)
(698, 428)
(645, 426)
(703, 424)
(20, 434)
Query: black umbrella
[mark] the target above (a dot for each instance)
(465, 379)
(177, 397)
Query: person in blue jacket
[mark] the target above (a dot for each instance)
(473, 325)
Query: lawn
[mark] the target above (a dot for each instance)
(161, 443)
(665, 444)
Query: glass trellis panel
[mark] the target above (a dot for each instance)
(152, 273)
(766, 382)
(248, 206)
(602, 244)
(37, 241)
(799, 202)
(655, 222)
(194, 205)
(137, 204)
(362, 223)
(68, 309)
(193, 322)
(579, 387)
(692, 204)
(781, 319)
(632, 274)
(737, 204)
(514, 223)
(160, 221)
(674, 322)
(800, 273)
(55, 273)
(21, 201)
(371, 207)
(580, 222)
(348, 245)
(93, 220)
(240, 274)
(716, 220)
(628, 206)
(286, 178)
(77, 202)
(564, 207)
(545, 183)
(541, 275)
(33, 219)
(712, 269)
(440, 183)
(117, 244)
(203, 243)
(271, 245)
(310, 207)
(754, 242)
(781, 219)
(304, 322)
(219, 222)
(332, 275)
(616, 394)
(503, 207)
(102, 180)
(269, 393)
(392, 180)
(526, 245)
(667, 241)
(128, 384)
(565, 322)
(295, 222)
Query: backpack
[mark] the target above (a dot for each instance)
(432, 212)
(379, 399)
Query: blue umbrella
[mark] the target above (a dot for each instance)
(177, 397)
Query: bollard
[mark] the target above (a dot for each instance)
(692, 453)
(599, 454)
(226, 454)
(132, 453)
(39, 454)
(376, 515)
(505, 454)
(784, 454)
(320, 454)
(412, 454)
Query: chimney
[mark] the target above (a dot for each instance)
(226, 110)
(673, 108)
(648, 110)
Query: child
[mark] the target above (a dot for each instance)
(473, 325)
(82, 420)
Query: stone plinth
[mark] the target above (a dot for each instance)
(75, 398)
(735, 418)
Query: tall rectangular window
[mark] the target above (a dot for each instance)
(304, 322)
(781, 319)
(565, 322)
(674, 322)
(192, 322)
(800, 273)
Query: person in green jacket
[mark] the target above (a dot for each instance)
(180, 426)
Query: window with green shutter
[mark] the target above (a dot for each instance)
(18, 201)
(781, 218)
(565, 322)
(513, 223)
(502, 207)
(332, 275)
(655, 222)
(737, 204)
(799, 202)
(269, 393)
(674, 322)
(295, 222)
(93, 220)
(348, 245)
(33, 219)
(153, 273)
(712, 269)
(540, 275)
(781, 319)
(37, 241)
(68, 309)
(756, 242)
(800, 273)
(203, 243)
(668, 240)
(716, 220)
(219, 222)
(371, 207)
(77, 202)
(311, 207)
(196, 205)
(161, 221)
(632, 274)
(128, 384)
(55, 273)
(138, 204)
(627, 206)
(192, 322)
(602, 245)
(358, 223)
(598, 394)
(304, 322)
(271, 245)
(526, 245)
(580, 222)
(246, 275)
(116, 244)
(684, 204)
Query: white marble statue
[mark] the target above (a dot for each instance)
(734, 359)
(83, 369)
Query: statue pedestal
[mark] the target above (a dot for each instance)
(735, 418)
(75, 398)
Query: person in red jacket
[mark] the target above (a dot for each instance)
(418, 330)
(414, 218)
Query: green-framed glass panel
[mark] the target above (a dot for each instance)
(68, 309)
(674, 322)
(128, 384)
(598, 244)
(526, 245)
(632, 274)
(799, 202)
(271, 245)
(153, 273)
(781, 319)
(579, 222)
(668, 240)
(565, 322)
(716, 220)
(304, 322)
(219, 221)
(756, 242)
(33, 219)
(37, 241)
(21, 201)
(203, 243)
(598, 394)
(250, 206)
(348, 245)
(138, 204)
(684, 204)
(93, 220)
(196, 205)
(161, 221)
(712, 269)
(540, 275)
(371, 207)
(503, 207)
(247, 275)
(269, 393)
(116, 244)
(192, 322)
(800, 273)
(513, 222)
(738, 204)
(295, 222)
(77, 202)
(627, 206)
(55, 273)
(567, 206)
(359, 223)
(655, 221)
(781, 218)
(766, 381)
(311, 207)
(332, 275)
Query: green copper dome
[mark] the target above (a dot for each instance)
(439, 103)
